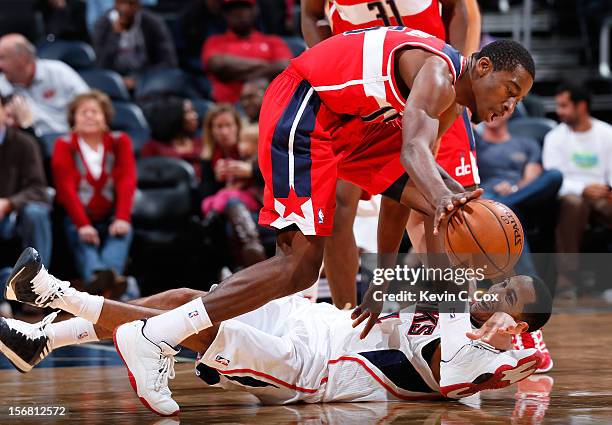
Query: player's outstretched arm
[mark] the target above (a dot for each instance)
(463, 24)
(428, 113)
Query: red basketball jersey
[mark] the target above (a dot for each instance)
(353, 73)
(424, 15)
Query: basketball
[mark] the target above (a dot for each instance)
(487, 234)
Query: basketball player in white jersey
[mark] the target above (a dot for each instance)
(291, 350)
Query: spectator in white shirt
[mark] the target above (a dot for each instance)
(581, 148)
(48, 86)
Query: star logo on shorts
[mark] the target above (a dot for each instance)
(293, 203)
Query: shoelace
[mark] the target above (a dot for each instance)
(48, 287)
(33, 331)
(166, 371)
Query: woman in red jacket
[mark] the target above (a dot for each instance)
(94, 173)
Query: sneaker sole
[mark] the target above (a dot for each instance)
(133, 380)
(546, 369)
(503, 377)
(15, 360)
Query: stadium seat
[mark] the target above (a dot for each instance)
(535, 128)
(129, 118)
(48, 142)
(201, 106)
(107, 81)
(167, 244)
(297, 45)
(77, 54)
(157, 81)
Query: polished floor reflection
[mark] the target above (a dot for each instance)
(94, 389)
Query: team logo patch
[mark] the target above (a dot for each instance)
(83, 335)
(222, 360)
(192, 314)
(320, 216)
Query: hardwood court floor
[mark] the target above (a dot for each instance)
(577, 391)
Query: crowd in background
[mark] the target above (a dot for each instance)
(90, 191)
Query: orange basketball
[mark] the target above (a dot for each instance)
(485, 234)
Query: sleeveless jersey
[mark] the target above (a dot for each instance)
(424, 15)
(354, 73)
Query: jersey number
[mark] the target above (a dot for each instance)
(382, 13)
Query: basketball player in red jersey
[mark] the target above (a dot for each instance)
(310, 119)
(459, 23)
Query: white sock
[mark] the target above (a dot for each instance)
(80, 304)
(453, 327)
(177, 325)
(70, 332)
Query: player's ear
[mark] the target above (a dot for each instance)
(484, 66)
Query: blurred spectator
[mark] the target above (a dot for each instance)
(228, 183)
(174, 122)
(241, 53)
(97, 8)
(48, 86)
(251, 98)
(64, 19)
(24, 206)
(95, 176)
(199, 20)
(511, 172)
(130, 41)
(581, 148)
(510, 168)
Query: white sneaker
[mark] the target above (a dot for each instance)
(478, 366)
(149, 367)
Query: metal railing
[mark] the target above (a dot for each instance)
(604, 48)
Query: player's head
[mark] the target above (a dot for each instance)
(502, 73)
(573, 102)
(525, 298)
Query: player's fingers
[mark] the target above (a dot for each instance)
(356, 313)
(368, 327)
(361, 318)
(475, 193)
(473, 335)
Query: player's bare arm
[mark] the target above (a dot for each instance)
(430, 105)
(313, 14)
(463, 23)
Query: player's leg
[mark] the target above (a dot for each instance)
(26, 344)
(341, 260)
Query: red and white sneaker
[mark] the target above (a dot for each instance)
(478, 366)
(535, 340)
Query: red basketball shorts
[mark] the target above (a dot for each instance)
(304, 147)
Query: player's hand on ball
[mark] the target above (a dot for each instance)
(448, 203)
(368, 309)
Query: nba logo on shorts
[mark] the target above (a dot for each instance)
(83, 335)
(321, 216)
(193, 313)
(222, 360)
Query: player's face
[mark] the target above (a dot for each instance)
(512, 296)
(497, 93)
(224, 130)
